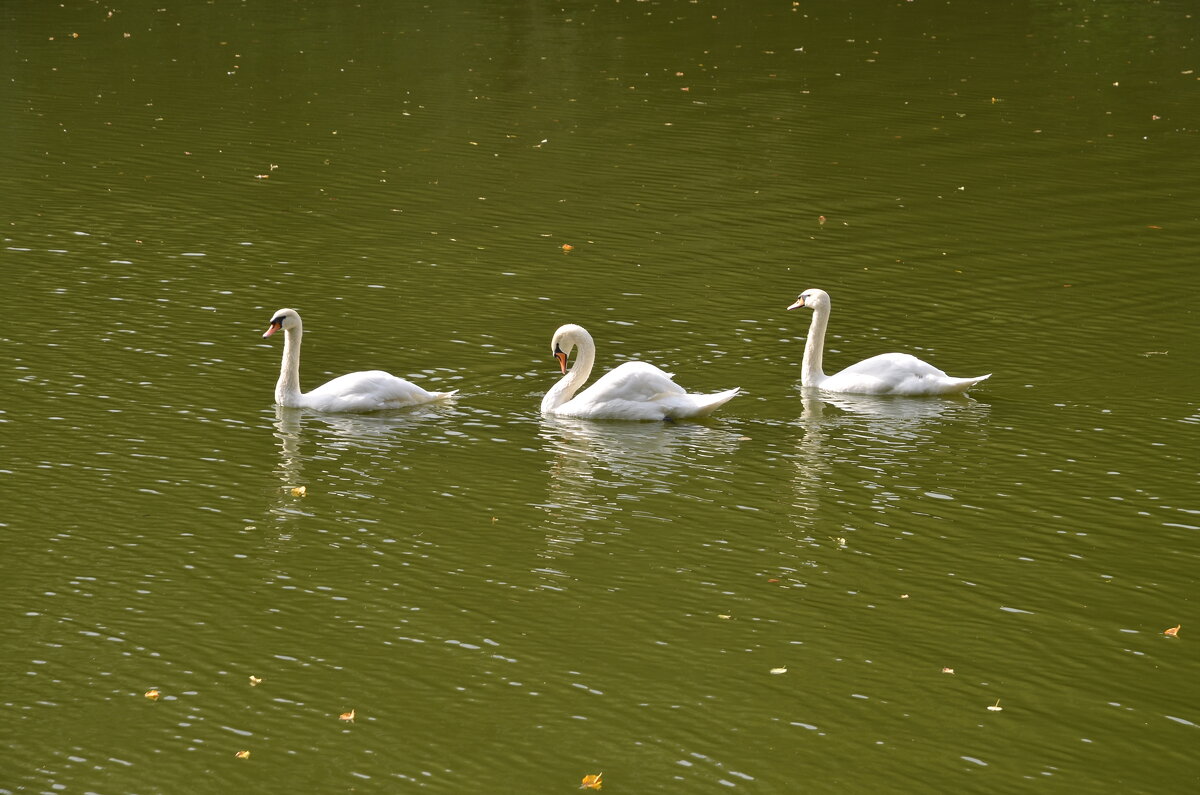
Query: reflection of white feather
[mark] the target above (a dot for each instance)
(895, 407)
(369, 390)
(885, 374)
(632, 391)
(599, 471)
(874, 440)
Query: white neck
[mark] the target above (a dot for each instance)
(287, 388)
(574, 378)
(811, 372)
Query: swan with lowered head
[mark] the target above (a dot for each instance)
(885, 374)
(631, 391)
(369, 390)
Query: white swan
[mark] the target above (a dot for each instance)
(369, 390)
(631, 391)
(885, 374)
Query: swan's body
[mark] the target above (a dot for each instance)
(369, 390)
(631, 391)
(885, 374)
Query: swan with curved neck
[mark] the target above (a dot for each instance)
(630, 391)
(885, 374)
(369, 390)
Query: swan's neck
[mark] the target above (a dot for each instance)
(287, 388)
(811, 373)
(574, 378)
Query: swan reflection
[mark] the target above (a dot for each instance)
(306, 438)
(874, 441)
(599, 469)
(897, 411)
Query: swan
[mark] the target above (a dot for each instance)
(885, 374)
(369, 390)
(631, 391)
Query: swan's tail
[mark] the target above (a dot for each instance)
(963, 384)
(700, 405)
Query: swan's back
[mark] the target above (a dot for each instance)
(368, 390)
(640, 391)
(897, 374)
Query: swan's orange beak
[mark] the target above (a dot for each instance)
(799, 303)
(275, 326)
(562, 360)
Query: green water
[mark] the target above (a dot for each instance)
(763, 601)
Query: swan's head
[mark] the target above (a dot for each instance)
(565, 339)
(813, 299)
(285, 319)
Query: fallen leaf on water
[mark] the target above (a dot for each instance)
(152, 695)
(299, 491)
(722, 615)
(903, 596)
(255, 681)
(567, 247)
(1173, 631)
(947, 670)
(820, 219)
(592, 781)
(347, 716)
(242, 754)
(779, 671)
(995, 707)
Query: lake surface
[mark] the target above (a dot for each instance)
(804, 592)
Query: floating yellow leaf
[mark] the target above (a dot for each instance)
(724, 616)
(299, 491)
(347, 716)
(592, 781)
(152, 695)
(995, 707)
(255, 681)
(242, 754)
(1173, 631)
(567, 247)
(779, 671)
(947, 670)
